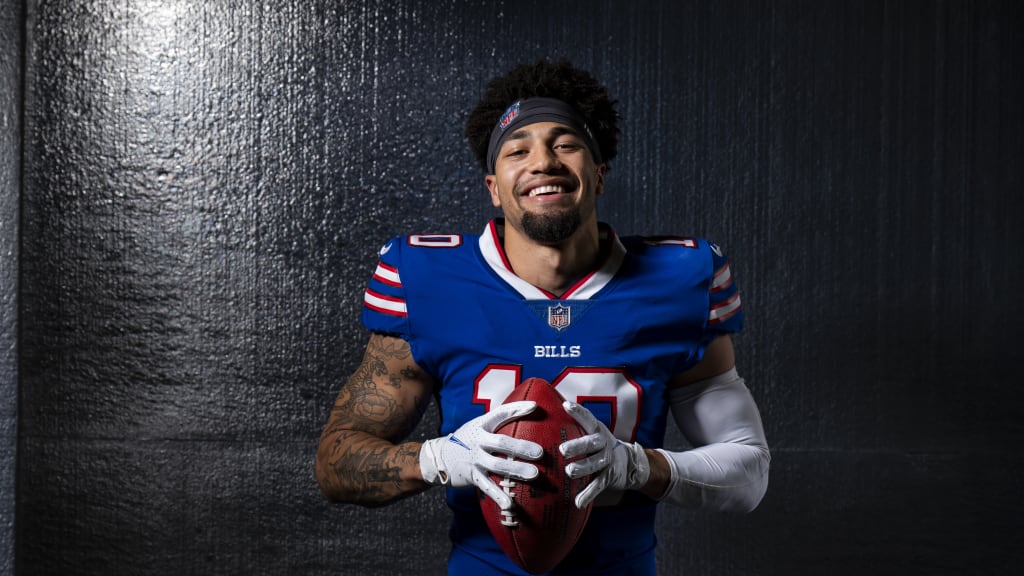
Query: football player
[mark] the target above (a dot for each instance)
(629, 330)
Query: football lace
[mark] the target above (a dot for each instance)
(508, 517)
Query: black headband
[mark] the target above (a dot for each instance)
(533, 110)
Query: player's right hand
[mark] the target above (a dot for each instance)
(464, 457)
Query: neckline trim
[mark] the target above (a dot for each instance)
(586, 288)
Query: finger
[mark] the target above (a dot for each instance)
(586, 466)
(583, 445)
(506, 412)
(491, 490)
(510, 446)
(509, 467)
(584, 417)
(588, 494)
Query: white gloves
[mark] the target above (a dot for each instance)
(464, 458)
(616, 465)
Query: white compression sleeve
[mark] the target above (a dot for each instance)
(728, 469)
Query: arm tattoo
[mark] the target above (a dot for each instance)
(372, 474)
(366, 407)
(364, 465)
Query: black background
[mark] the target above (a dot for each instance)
(203, 187)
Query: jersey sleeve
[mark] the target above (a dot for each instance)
(384, 302)
(725, 308)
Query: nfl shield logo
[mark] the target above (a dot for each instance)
(510, 114)
(559, 317)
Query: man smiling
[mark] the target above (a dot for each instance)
(628, 330)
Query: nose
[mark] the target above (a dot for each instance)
(544, 159)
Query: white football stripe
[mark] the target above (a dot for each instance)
(722, 278)
(721, 312)
(387, 275)
(380, 302)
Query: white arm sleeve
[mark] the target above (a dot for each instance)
(728, 469)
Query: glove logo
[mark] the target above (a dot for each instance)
(455, 440)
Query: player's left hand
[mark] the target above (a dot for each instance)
(615, 465)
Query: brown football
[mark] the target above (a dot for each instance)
(543, 523)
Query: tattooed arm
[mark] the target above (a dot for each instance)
(358, 459)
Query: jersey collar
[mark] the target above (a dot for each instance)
(494, 255)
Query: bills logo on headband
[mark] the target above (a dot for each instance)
(509, 115)
(559, 317)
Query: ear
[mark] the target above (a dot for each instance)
(491, 181)
(601, 170)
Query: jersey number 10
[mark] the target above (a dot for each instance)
(592, 387)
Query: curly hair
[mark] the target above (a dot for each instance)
(561, 80)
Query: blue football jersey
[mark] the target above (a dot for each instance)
(611, 342)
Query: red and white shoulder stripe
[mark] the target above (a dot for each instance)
(722, 311)
(387, 275)
(722, 279)
(385, 304)
(374, 300)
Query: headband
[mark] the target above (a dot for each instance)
(533, 110)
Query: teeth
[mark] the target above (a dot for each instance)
(542, 190)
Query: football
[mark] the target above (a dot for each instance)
(543, 524)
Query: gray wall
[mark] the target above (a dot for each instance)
(11, 59)
(205, 185)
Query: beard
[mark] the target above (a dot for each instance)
(553, 228)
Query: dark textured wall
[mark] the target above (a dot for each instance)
(206, 184)
(11, 61)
